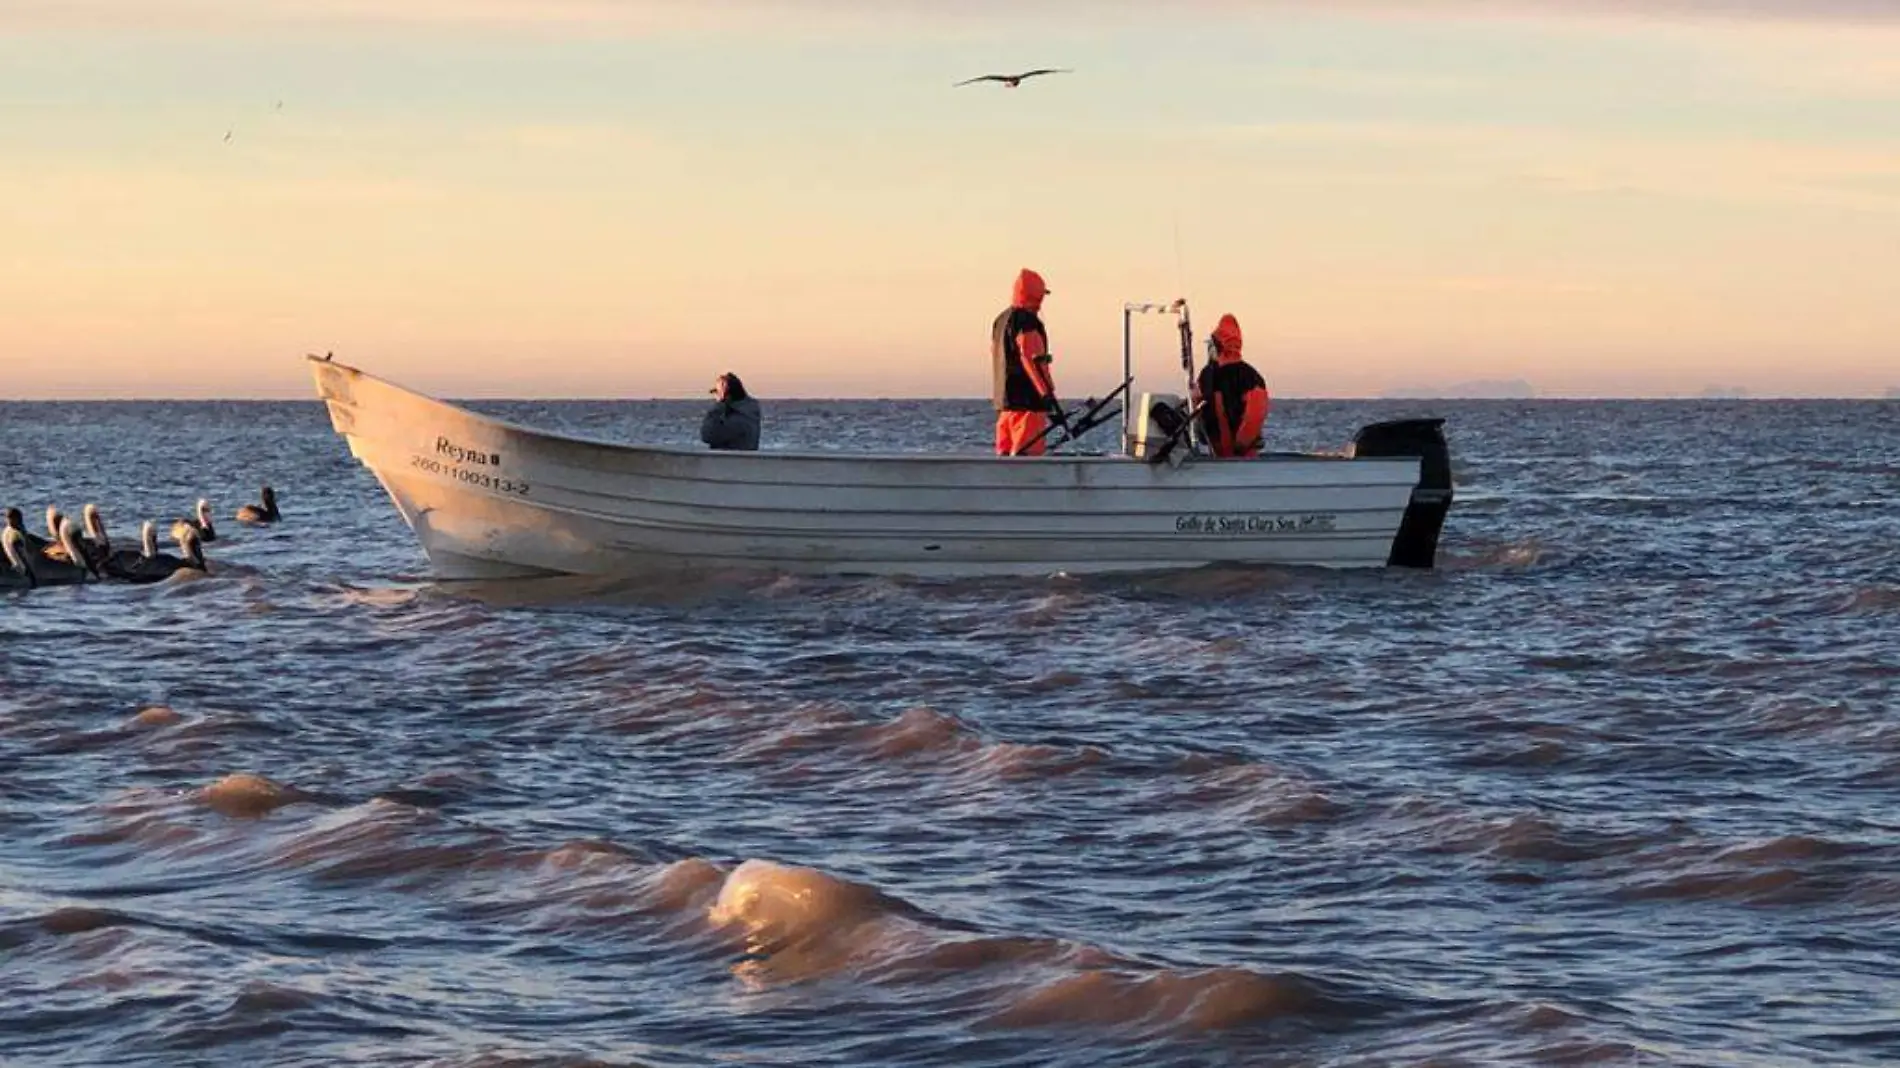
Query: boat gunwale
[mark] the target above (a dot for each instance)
(372, 451)
(701, 453)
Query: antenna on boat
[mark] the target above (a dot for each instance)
(1180, 271)
(1187, 344)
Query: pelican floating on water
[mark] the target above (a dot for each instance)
(264, 513)
(97, 545)
(29, 542)
(71, 566)
(124, 563)
(100, 556)
(58, 549)
(52, 524)
(154, 566)
(206, 532)
(19, 573)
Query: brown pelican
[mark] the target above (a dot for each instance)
(1013, 80)
(154, 566)
(58, 549)
(97, 545)
(206, 532)
(52, 523)
(264, 513)
(29, 541)
(70, 566)
(124, 563)
(19, 573)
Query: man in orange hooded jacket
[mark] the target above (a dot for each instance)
(1233, 397)
(1022, 388)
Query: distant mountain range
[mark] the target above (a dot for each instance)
(1481, 389)
(1518, 389)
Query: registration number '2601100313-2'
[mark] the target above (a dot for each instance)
(462, 465)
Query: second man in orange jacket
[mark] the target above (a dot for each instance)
(1233, 397)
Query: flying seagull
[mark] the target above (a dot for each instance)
(1014, 80)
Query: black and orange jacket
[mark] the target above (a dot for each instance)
(1019, 351)
(1234, 396)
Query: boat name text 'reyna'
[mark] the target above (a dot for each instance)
(1254, 524)
(445, 447)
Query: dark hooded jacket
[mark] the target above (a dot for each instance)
(1019, 350)
(733, 423)
(1234, 397)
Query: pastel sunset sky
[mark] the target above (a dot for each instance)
(624, 197)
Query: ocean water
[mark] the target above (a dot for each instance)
(1619, 783)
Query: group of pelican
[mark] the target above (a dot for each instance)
(68, 557)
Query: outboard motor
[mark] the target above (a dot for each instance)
(1417, 542)
(1159, 419)
(1167, 417)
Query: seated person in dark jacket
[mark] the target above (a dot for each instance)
(1233, 397)
(733, 423)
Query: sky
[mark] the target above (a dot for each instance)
(622, 198)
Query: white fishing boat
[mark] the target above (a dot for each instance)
(490, 499)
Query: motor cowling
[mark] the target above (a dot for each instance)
(1158, 418)
(1416, 544)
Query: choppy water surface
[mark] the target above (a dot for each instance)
(1620, 783)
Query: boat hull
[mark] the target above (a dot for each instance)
(489, 499)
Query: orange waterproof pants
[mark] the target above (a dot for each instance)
(1014, 429)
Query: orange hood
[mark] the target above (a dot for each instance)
(1030, 289)
(1227, 338)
